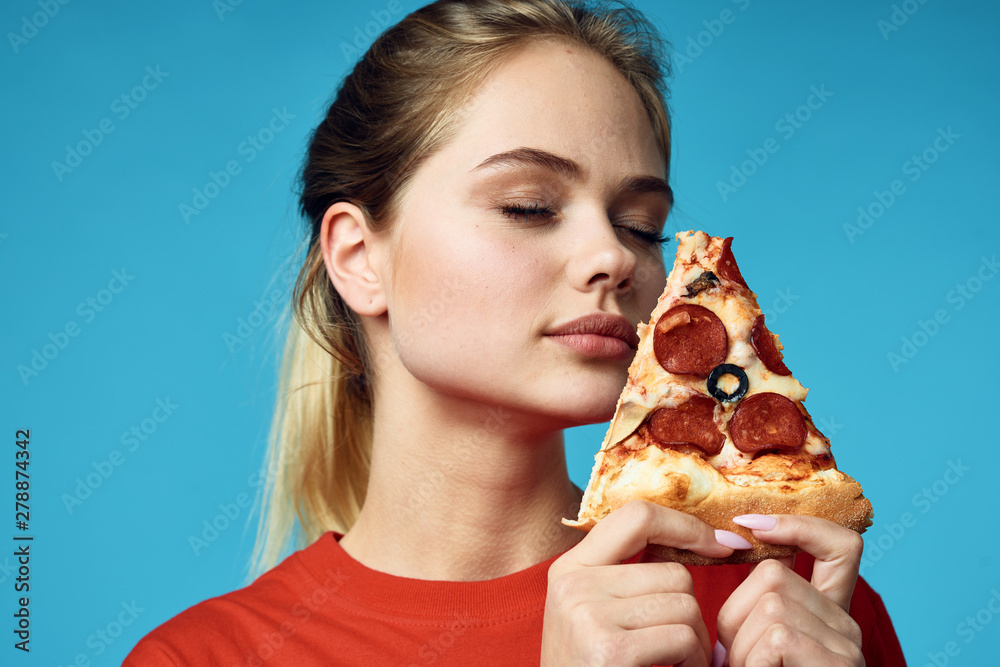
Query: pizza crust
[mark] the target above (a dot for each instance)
(688, 483)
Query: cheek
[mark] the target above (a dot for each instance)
(464, 304)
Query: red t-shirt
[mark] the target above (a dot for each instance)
(319, 606)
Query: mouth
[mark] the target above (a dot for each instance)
(598, 335)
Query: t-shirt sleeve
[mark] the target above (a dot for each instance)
(200, 636)
(150, 652)
(879, 645)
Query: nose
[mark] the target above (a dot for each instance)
(600, 260)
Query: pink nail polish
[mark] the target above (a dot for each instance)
(718, 655)
(731, 540)
(756, 521)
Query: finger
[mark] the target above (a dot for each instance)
(677, 645)
(653, 610)
(787, 561)
(782, 646)
(770, 578)
(635, 579)
(772, 609)
(837, 549)
(628, 529)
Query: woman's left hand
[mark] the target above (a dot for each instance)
(775, 617)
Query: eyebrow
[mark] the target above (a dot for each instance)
(523, 156)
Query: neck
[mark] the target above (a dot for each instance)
(460, 492)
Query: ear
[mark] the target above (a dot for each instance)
(347, 244)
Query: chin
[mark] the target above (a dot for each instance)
(588, 402)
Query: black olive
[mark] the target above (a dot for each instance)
(727, 369)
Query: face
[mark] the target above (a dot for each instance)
(494, 258)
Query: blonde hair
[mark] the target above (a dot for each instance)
(402, 101)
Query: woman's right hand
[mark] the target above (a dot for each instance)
(601, 612)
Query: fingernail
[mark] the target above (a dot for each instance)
(756, 521)
(718, 655)
(731, 540)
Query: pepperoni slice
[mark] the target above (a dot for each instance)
(767, 421)
(689, 423)
(690, 340)
(727, 264)
(763, 344)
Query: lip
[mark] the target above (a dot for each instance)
(599, 335)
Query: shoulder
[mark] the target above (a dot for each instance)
(205, 633)
(226, 628)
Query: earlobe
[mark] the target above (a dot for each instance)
(347, 244)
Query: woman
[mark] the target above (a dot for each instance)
(486, 199)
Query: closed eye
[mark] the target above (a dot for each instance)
(533, 211)
(545, 212)
(644, 235)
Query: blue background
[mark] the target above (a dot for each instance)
(841, 301)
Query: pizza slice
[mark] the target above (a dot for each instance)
(711, 420)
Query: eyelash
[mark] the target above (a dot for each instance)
(546, 212)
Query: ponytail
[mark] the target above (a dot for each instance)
(319, 447)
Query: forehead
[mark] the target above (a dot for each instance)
(562, 98)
